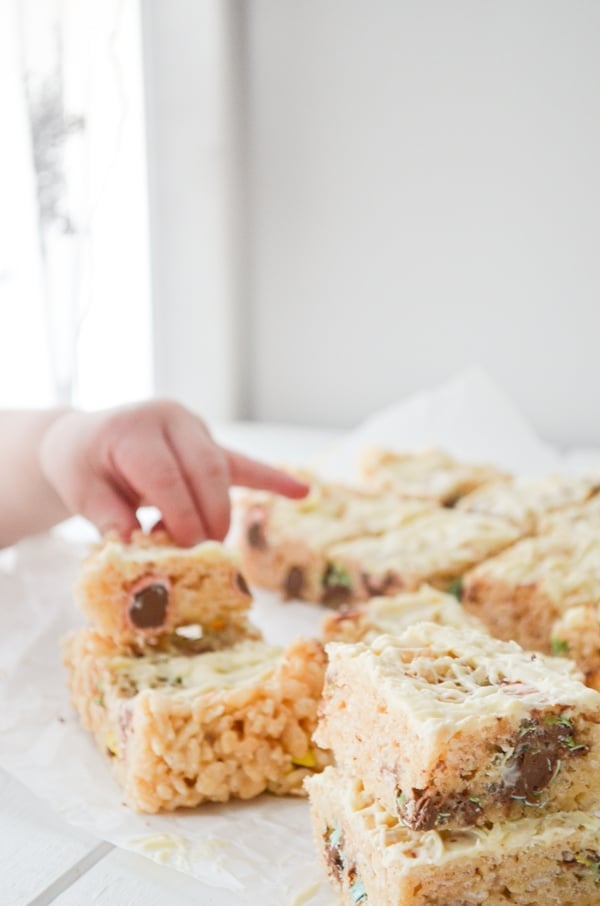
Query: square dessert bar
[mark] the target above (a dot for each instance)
(586, 515)
(437, 548)
(450, 727)
(576, 634)
(526, 501)
(430, 474)
(284, 543)
(521, 593)
(151, 593)
(394, 614)
(182, 730)
(371, 858)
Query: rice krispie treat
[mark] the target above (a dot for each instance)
(526, 501)
(184, 730)
(584, 515)
(576, 634)
(450, 727)
(151, 593)
(284, 542)
(430, 474)
(365, 622)
(521, 593)
(436, 548)
(371, 858)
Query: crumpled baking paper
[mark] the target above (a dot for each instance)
(254, 852)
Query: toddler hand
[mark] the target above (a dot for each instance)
(104, 465)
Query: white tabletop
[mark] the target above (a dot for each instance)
(45, 860)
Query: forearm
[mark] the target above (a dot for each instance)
(28, 503)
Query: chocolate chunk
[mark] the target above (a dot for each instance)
(337, 585)
(242, 584)
(535, 772)
(149, 607)
(536, 758)
(336, 595)
(425, 812)
(452, 500)
(334, 857)
(294, 582)
(468, 810)
(378, 585)
(421, 813)
(256, 536)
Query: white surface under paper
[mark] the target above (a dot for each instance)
(261, 850)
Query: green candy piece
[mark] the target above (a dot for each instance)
(358, 892)
(456, 588)
(560, 648)
(334, 835)
(337, 575)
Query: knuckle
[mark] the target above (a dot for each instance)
(167, 408)
(165, 478)
(115, 431)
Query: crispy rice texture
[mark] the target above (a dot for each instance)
(171, 748)
(450, 728)
(371, 858)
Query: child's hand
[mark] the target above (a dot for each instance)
(104, 465)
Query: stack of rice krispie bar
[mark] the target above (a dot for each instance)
(466, 773)
(177, 686)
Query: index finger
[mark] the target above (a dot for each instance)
(249, 473)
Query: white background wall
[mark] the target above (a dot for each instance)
(425, 194)
(193, 126)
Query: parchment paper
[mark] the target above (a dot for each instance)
(260, 849)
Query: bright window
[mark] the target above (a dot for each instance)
(75, 316)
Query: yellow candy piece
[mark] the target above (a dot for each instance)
(112, 744)
(307, 760)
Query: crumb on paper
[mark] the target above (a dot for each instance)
(176, 850)
(163, 847)
(211, 860)
(160, 847)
